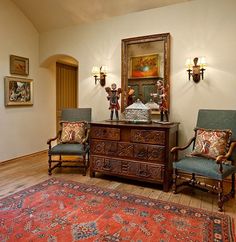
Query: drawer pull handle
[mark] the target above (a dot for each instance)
(107, 167)
(143, 173)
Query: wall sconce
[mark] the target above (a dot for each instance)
(196, 70)
(99, 74)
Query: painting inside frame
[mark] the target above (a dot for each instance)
(19, 65)
(18, 91)
(144, 66)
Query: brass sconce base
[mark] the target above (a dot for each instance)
(197, 71)
(100, 75)
(102, 79)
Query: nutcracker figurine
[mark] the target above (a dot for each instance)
(113, 97)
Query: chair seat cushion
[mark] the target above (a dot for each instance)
(204, 167)
(69, 149)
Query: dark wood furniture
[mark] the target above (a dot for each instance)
(135, 151)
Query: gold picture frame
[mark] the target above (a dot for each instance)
(142, 54)
(19, 65)
(18, 91)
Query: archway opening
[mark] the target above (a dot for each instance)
(64, 70)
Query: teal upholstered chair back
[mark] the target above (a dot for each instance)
(218, 119)
(76, 114)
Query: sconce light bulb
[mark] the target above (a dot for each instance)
(104, 69)
(189, 63)
(95, 70)
(202, 61)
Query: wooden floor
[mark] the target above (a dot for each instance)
(23, 172)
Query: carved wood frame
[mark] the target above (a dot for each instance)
(124, 68)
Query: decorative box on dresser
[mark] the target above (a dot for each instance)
(135, 151)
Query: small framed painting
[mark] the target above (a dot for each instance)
(145, 66)
(19, 65)
(18, 91)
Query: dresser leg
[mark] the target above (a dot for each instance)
(166, 187)
(91, 173)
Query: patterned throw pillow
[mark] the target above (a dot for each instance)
(211, 143)
(73, 132)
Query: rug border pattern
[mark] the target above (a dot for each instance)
(226, 222)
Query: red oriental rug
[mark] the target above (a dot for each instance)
(58, 210)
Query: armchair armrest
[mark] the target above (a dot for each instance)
(54, 138)
(222, 158)
(177, 148)
(86, 137)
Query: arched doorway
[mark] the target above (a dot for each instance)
(66, 77)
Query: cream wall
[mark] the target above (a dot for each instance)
(197, 28)
(24, 130)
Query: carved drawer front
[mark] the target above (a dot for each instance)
(146, 171)
(156, 153)
(97, 147)
(125, 167)
(105, 133)
(148, 136)
(97, 162)
(157, 172)
(140, 151)
(106, 164)
(111, 148)
(125, 149)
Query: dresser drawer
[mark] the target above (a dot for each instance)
(125, 150)
(103, 147)
(149, 153)
(148, 136)
(105, 133)
(140, 151)
(132, 169)
(99, 163)
(156, 153)
(97, 147)
(147, 171)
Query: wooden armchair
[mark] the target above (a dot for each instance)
(72, 140)
(213, 156)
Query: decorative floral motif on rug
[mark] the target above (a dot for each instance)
(58, 210)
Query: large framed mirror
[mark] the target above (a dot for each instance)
(146, 65)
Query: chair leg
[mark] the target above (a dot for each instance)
(220, 196)
(49, 165)
(60, 162)
(88, 164)
(233, 185)
(85, 167)
(91, 173)
(193, 180)
(174, 187)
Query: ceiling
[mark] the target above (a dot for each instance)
(47, 15)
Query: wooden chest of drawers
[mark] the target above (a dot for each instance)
(135, 151)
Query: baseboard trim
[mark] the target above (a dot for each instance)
(24, 156)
